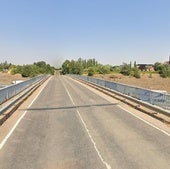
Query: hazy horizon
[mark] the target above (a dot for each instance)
(112, 32)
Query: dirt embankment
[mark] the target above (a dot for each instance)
(7, 78)
(153, 82)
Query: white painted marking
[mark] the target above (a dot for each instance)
(163, 131)
(18, 121)
(87, 130)
(168, 134)
(69, 95)
(92, 140)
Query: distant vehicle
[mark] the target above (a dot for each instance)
(17, 81)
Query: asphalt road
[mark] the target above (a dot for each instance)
(70, 127)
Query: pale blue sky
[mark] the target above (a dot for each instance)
(111, 31)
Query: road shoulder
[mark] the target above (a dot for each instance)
(8, 125)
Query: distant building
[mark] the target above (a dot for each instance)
(167, 62)
(146, 67)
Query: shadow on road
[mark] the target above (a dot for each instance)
(69, 107)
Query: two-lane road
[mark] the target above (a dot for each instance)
(70, 127)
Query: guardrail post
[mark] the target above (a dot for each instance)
(145, 95)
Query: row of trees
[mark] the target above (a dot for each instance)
(4, 66)
(91, 67)
(83, 66)
(162, 69)
(29, 70)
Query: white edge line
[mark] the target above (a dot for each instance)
(150, 124)
(163, 131)
(88, 132)
(18, 121)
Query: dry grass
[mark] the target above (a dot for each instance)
(155, 82)
(7, 78)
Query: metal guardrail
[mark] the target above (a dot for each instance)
(10, 91)
(160, 99)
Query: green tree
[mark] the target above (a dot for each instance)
(91, 71)
(66, 67)
(26, 71)
(32, 69)
(4, 66)
(158, 66)
(125, 69)
(115, 69)
(77, 69)
(135, 65)
(165, 71)
(103, 69)
(136, 72)
(16, 69)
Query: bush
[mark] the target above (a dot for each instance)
(136, 73)
(104, 69)
(165, 71)
(125, 70)
(91, 71)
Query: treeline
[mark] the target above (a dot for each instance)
(162, 69)
(4, 66)
(83, 66)
(91, 67)
(133, 70)
(28, 70)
